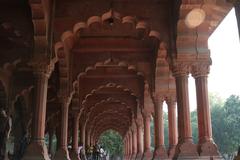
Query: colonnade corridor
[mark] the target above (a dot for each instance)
(71, 70)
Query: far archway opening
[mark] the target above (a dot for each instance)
(112, 144)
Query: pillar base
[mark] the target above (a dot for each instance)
(139, 156)
(147, 155)
(208, 148)
(36, 150)
(171, 151)
(74, 155)
(61, 154)
(160, 153)
(186, 149)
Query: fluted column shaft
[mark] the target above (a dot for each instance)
(159, 151)
(206, 145)
(185, 146)
(74, 153)
(147, 137)
(75, 133)
(40, 108)
(139, 140)
(130, 144)
(62, 153)
(37, 147)
(64, 129)
(172, 126)
(134, 142)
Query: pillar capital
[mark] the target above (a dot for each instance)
(171, 100)
(200, 69)
(147, 115)
(65, 100)
(134, 126)
(42, 65)
(157, 99)
(180, 68)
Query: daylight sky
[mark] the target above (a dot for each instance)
(224, 77)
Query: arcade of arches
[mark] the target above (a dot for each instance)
(76, 68)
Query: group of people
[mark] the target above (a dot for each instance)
(95, 152)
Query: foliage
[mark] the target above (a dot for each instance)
(112, 142)
(225, 123)
(226, 126)
(194, 122)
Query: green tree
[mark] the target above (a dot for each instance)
(232, 125)
(194, 123)
(112, 142)
(225, 123)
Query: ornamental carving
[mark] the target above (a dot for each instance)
(200, 69)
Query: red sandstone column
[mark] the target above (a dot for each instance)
(62, 153)
(127, 148)
(139, 140)
(206, 145)
(147, 155)
(134, 141)
(172, 126)
(185, 147)
(82, 139)
(130, 144)
(37, 148)
(159, 152)
(74, 153)
(87, 138)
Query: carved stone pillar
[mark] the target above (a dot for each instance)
(130, 144)
(87, 138)
(127, 147)
(62, 153)
(134, 141)
(206, 146)
(147, 155)
(172, 126)
(185, 148)
(74, 153)
(124, 148)
(159, 151)
(82, 138)
(139, 138)
(37, 148)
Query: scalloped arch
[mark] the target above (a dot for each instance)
(69, 37)
(109, 114)
(109, 85)
(121, 109)
(39, 25)
(109, 62)
(118, 123)
(106, 101)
